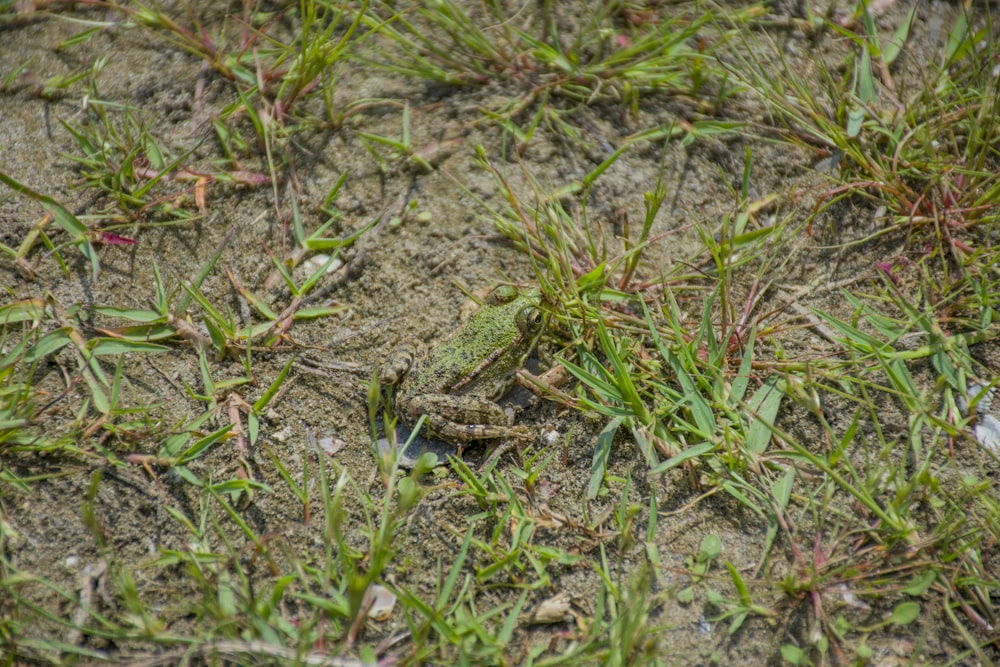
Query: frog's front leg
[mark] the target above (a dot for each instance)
(398, 363)
(464, 418)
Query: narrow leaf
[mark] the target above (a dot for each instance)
(602, 451)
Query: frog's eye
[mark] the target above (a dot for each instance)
(500, 295)
(531, 319)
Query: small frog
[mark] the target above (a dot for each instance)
(457, 384)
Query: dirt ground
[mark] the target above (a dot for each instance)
(402, 280)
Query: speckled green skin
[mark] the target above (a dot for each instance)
(457, 383)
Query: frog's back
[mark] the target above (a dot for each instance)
(474, 354)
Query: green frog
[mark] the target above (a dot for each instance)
(457, 383)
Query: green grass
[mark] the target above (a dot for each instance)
(851, 453)
(919, 146)
(705, 418)
(617, 55)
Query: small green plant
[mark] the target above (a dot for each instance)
(403, 149)
(168, 317)
(275, 78)
(120, 156)
(737, 611)
(80, 236)
(20, 400)
(699, 566)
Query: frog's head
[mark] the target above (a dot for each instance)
(496, 340)
(524, 304)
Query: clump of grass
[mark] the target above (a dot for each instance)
(921, 150)
(249, 52)
(626, 334)
(121, 157)
(617, 54)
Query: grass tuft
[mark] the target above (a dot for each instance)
(616, 54)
